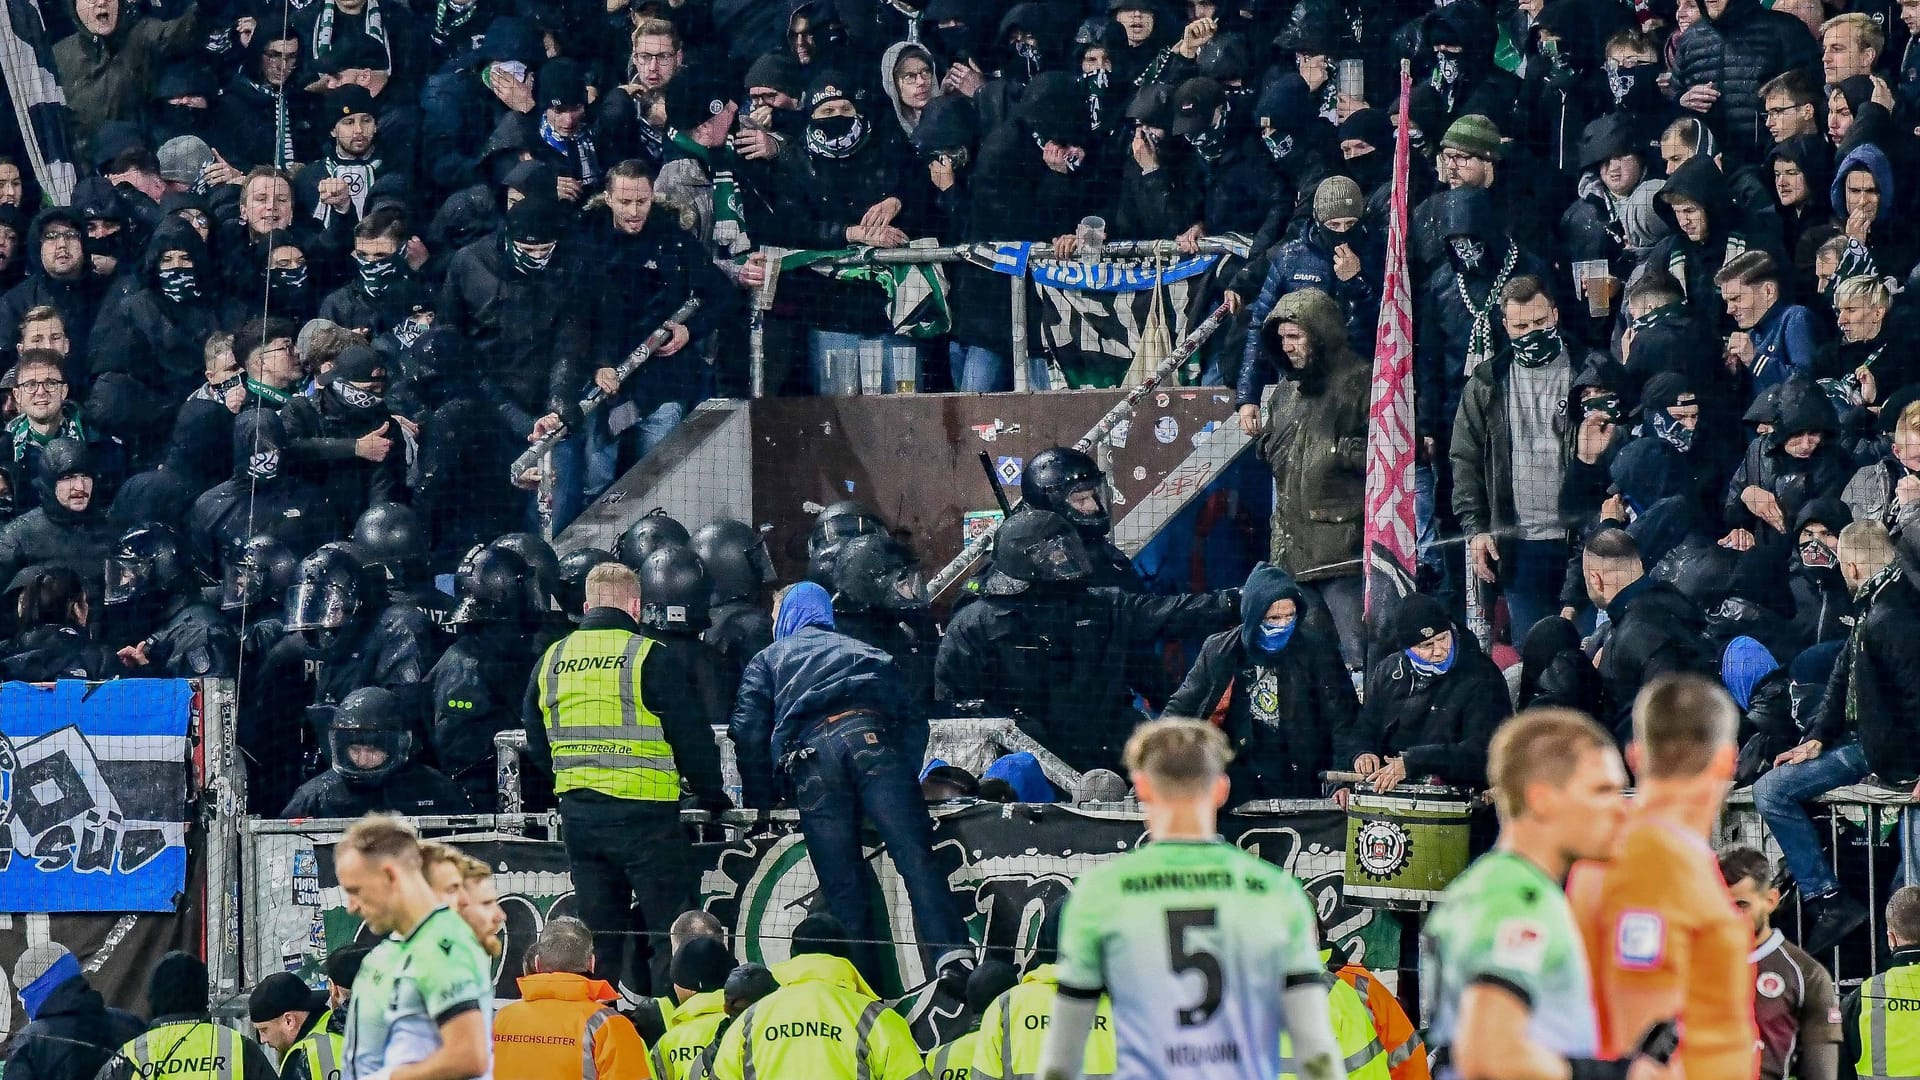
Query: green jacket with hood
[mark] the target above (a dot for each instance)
(1316, 442)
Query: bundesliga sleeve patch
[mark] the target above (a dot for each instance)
(1640, 940)
(1520, 945)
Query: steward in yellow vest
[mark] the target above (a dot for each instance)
(184, 1043)
(822, 1024)
(1880, 1021)
(954, 1060)
(618, 719)
(1014, 1029)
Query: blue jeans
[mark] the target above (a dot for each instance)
(1779, 796)
(978, 370)
(1532, 584)
(858, 771)
(852, 364)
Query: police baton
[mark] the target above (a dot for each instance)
(596, 396)
(1181, 353)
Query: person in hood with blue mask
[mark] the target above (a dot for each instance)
(1280, 687)
(823, 713)
(70, 1031)
(1432, 705)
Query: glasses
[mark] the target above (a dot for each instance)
(766, 99)
(917, 75)
(1778, 111)
(62, 236)
(1456, 157)
(41, 386)
(654, 59)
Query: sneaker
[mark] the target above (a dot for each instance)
(1830, 920)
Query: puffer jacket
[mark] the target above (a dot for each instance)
(1738, 52)
(73, 1031)
(1281, 708)
(1307, 263)
(1316, 443)
(1793, 482)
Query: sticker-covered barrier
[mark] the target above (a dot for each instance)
(1004, 864)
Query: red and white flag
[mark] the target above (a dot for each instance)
(1390, 529)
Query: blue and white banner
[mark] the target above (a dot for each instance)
(93, 794)
(1119, 275)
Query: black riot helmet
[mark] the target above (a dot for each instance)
(737, 559)
(877, 573)
(492, 587)
(391, 537)
(839, 523)
(1067, 482)
(675, 591)
(257, 572)
(655, 530)
(368, 738)
(539, 557)
(326, 592)
(1036, 547)
(575, 565)
(146, 564)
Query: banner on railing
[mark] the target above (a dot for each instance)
(1005, 865)
(93, 792)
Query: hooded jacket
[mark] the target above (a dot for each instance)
(77, 299)
(158, 342)
(1316, 442)
(72, 1032)
(1793, 482)
(1281, 708)
(1694, 263)
(890, 61)
(1805, 226)
(1738, 52)
(1657, 630)
(810, 672)
(1445, 325)
(529, 349)
(1888, 241)
(111, 77)
(1822, 606)
(1307, 263)
(51, 533)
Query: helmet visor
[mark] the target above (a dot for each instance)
(242, 584)
(318, 606)
(906, 589)
(1086, 504)
(368, 756)
(127, 578)
(1059, 558)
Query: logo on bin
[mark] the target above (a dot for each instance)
(1382, 848)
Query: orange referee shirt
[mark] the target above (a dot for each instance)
(1664, 939)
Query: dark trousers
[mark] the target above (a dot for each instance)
(624, 859)
(858, 771)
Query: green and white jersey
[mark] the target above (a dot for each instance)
(1193, 942)
(1507, 923)
(408, 987)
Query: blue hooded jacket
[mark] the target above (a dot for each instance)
(1744, 663)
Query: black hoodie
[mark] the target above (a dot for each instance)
(157, 340)
(76, 298)
(1695, 262)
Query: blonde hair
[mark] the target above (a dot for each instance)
(1871, 36)
(1866, 543)
(1177, 754)
(1538, 746)
(1865, 288)
(611, 584)
(386, 837)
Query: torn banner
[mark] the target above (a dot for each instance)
(93, 793)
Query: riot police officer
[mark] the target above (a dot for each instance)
(655, 529)
(155, 607)
(391, 538)
(675, 597)
(539, 557)
(880, 598)
(354, 633)
(370, 744)
(737, 560)
(254, 583)
(575, 565)
(478, 681)
(1065, 659)
(1069, 483)
(607, 714)
(53, 641)
(836, 525)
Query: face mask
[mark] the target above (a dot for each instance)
(1430, 669)
(1096, 83)
(1815, 555)
(1209, 144)
(1537, 348)
(1274, 638)
(1280, 146)
(1671, 431)
(527, 263)
(357, 399)
(112, 245)
(379, 274)
(1029, 55)
(1636, 89)
(1606, 405)
(1467, 251)
(180, 284)
(287, 277)
(1446, 69)
(264, 465)
(836, 137)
